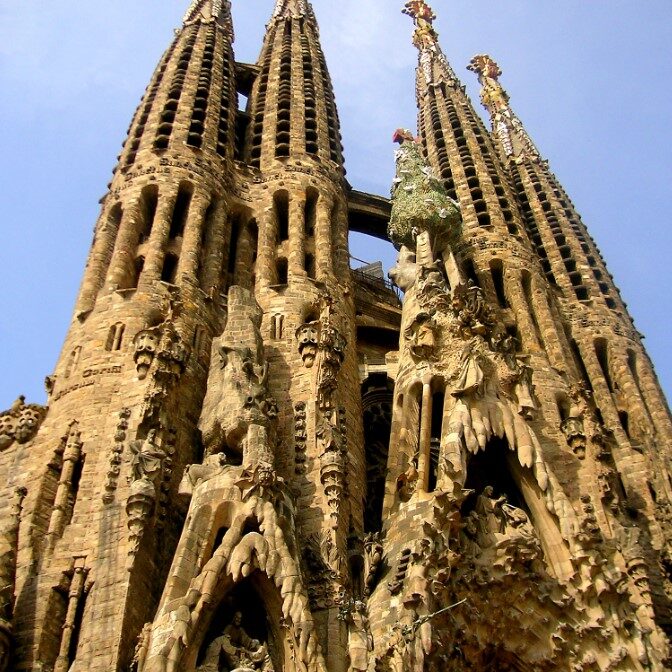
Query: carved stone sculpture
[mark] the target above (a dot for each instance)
(237, 394)
(20, 423)
(241, 651)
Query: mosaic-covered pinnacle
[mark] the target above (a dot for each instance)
(419, 200)
(506, 126)
(423, 16)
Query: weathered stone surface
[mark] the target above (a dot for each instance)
(256, 459)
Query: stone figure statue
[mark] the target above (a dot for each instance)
(242, 652)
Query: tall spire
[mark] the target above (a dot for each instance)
(434, 64)
(506, 126)
(282, 123)
(208, 9)
(291, 8)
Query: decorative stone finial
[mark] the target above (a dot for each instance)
(423, 17)
(513, 138)
(484, 66)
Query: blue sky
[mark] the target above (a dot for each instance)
(590, 80)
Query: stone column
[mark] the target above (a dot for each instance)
(216, 250)
(159, 235)
(516, 297)
(71, 456)
(547, 323)
(123, 258)
(297, 236)
(268, 242)
(99, 259)
(188, 268)
(323, 224)
(425, 436)
(74, 596)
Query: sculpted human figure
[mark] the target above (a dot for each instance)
(360, 642)
(242, 652)
(147, 457)
(490, 510)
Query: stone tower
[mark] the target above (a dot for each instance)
(254, 458)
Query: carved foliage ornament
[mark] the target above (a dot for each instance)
(20, 423)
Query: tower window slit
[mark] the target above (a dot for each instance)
(578, 360)
(310, 266)
(198, 115)
(282, 271)
(281, 203)
(169, 270)
(165, 129)
(180, 211)
(148, 212)
(115, 337)
(497, 272)
(138, 267)
(602, 352)
(310, 212)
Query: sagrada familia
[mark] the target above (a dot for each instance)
(255, 459)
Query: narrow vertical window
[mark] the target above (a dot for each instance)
(602, 352)
(497, 272)
(281, 201)
(181, 211)
(169, 270)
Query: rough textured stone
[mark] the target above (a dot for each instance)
(255, 458)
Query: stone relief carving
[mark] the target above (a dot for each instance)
(116, 453)
(373, 560)
(300, 437)
(308, 338)
(237, 396)
(241, 651)
(150, 469)
(20, 423)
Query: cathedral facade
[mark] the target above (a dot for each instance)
(256, 459)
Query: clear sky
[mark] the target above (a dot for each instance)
(590, 80)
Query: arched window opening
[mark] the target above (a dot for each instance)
(602, 352)
(73, 360)
(377, 404)
(563, 407)
(497, 271)
(310, 212)
(277, 327)
(181, 211)
(470, 272)
(115, 337)
(150, 197)
(282, 271)
(625, 422)
(138, 266)
(169, 270)
(310, 266)
(491, 468)
(243, 616)
(578, 360)
(281, 203)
